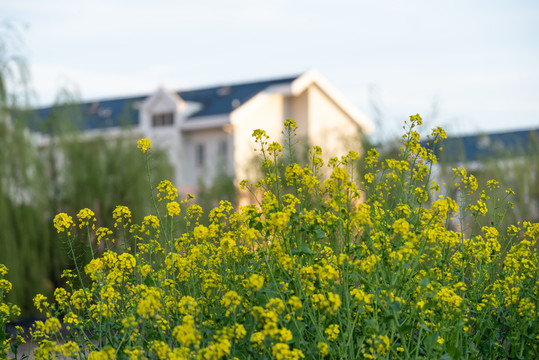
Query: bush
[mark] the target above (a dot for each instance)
(326, 270)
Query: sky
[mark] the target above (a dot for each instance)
(469, 66)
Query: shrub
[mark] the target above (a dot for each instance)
(329, 269)
(7, 311)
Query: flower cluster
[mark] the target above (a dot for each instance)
(320, 267)
(7, 312)
(144, 145)
(63, 222)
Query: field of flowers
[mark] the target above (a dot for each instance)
(320, 267)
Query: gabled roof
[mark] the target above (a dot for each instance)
(211, 101)
(484, 146)
(97, 114)
(224, 99)
(216, 100)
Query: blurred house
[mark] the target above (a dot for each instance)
(209, 130)
(473, 151)
(512, 158)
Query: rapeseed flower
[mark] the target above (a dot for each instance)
(319, 260)
(144, 145)
(85, 216)
(63, 222)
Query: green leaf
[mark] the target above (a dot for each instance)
(431, 340)
(148, 281)
(389, 319)
(424, 283)
(454, 352)
(404, 328)
(305, 249)
(319, 234)
(297, 330)
(395, 305)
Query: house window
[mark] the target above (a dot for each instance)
(223, 153)
(223, 148)
(200, 155)
(163, 119)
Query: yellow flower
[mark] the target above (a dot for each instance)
(290, 124)
(401, 226)
(63, 222)
(173, 208)
(52, 325)
(379, 344)
(339, 174)
(68, 349)
(275, 304)
(39, 301)
(102, 234)
(85, 216)
(165, 190)
(416, 119)
(295, 303)
(334, 300)
(93, 268)
(144, 145)
(257, 338)
(5, 286)
(151, 221)
(332, 332)
(3, 269)
(71, 318)
(282, 351)
(61, 296)
(122, 215)
(126, 262)
(230, 301)
(150, 307)
(278, 220)
(186, 333)
(256, 282)
(323, 348)
(369, 178)
(105, 354)
(259, 135)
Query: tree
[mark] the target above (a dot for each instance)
(67, 172)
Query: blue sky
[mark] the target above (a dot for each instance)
(475, 62)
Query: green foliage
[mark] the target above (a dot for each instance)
(23, 203)
(68, 172)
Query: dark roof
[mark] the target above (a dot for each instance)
(105, 113)
(483, 146)
(219, 99)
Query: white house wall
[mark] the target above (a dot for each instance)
(169, 140)
(264, 111)
(329, 126)
(191, 174)
(298, 109)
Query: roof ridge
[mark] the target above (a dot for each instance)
(240, 83)
(496, 133)
(186, 90)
